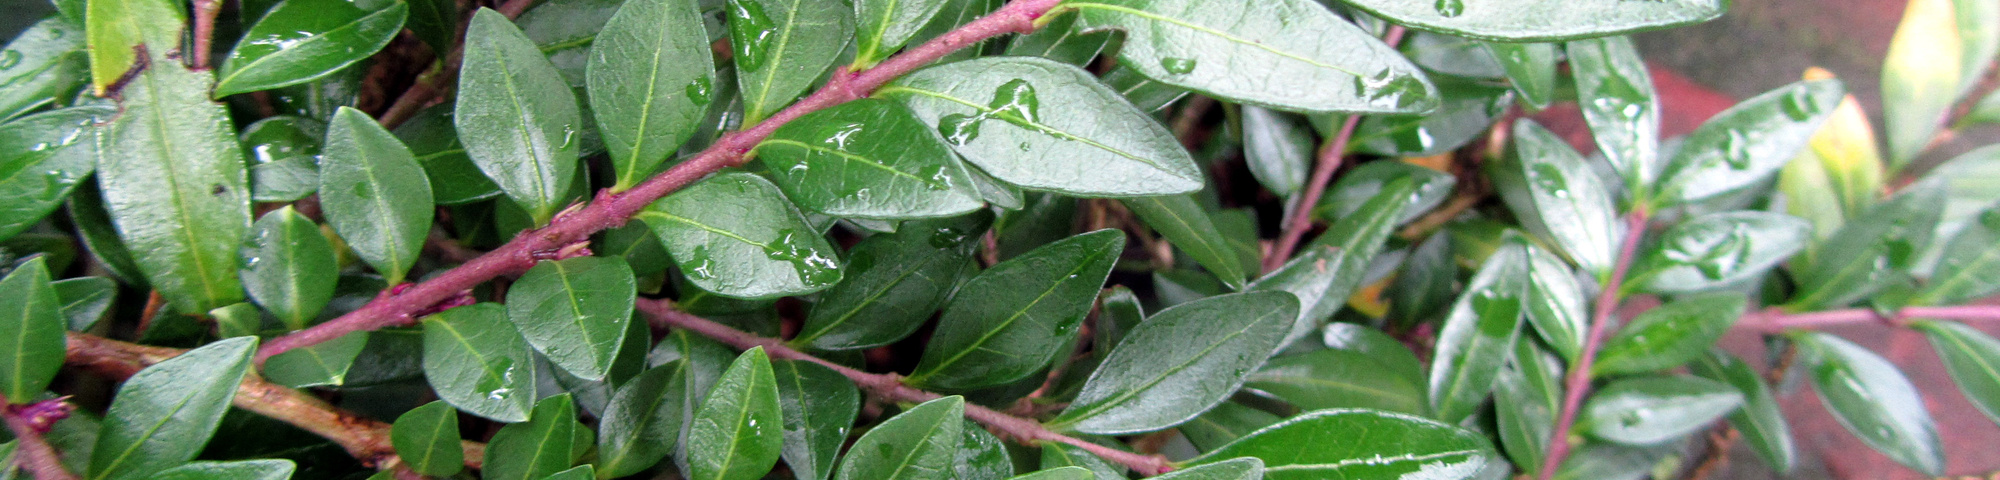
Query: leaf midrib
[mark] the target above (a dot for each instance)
(309, 41)
(1128, 393)
(1211, 31)
(1042, 128)
(990, 332)
(172, 177)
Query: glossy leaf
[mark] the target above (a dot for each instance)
(1465, 111)
(1360, 444)
(1973, 360)
(1839, 174)
(1555, 303)
(1225, 423)
(1246, 468)
(426, 438)
(1532, 20)
(1526, 400)
(1759, 421)
(374, 193)
(175, 186)
(644, 420)
(730, 437)
(277, 469)
(1372, 188)
(1180, 362)
(581, 472)
(1557, 197)
(1060, 40)
(1284, 54)
(1183, 222)
(1719, 249)
(1478, 335)
(326, 363)
(164, 414)
(1376, 345)
(1748, 142)
(868, 159)
(1874, 251)
(302, 40)
(1531, 69)
(115, 31)
(894, 283)
(883, 25)
(1969, 267)
(1670, 335)
(285, 267)
(1060, 455)
(1339, 378)
(919, 443)
(819, 406)
(1278, 148)
(85, 300)
(980, 455)
(435, 22)
(1017, 316)
(1619, 103)
(43, 157)
(736, 235)
(476, 361)
(455, 179)
(1323, 284)
(1920, 76)
(1872, 399)
(31, 355)
(575, 311)
(1045, 125)
(516, 115)
(782, 46)
(1059, 473)
(52, 64)
(284, 157)
(1657, 409)
(651, 78)
(536, 448)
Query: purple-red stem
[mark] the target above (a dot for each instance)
(204, 31)
(1330, 156)
(33, 452)
(890, 387)
(1578, 381)
(1774, 320)
(611, 209)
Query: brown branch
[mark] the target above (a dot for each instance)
(1330, 156)
(890, 387)
(33, 452)
(401, 306)
(1600, 323)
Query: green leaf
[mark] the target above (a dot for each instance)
(782, 46)
(1973, 359)
(1479, 334)
(1531, 69)
(1181, 362)
(116, 29)
(1334, 264)
(174, 184)
(1016, 317)
(1620, 105)
(883, 26)
(1059, 473)
(374, 193)
(954, 14)
(43, 157)
(1338, 378)
(164, 414)
(1525, 401)
(730, 437)
(575, 311)
(51, 67)
(233, 320)
(1555, 303)
(1145, 93)
(1376, 345)
(1719, 249)
(476, 361)
(1556, 195)
(302, 40)
(516, 115)
(1759, 421)
(1872, 399)
(455, 179)
(1920, 76)
(279, 469)
(33, 352)
(819, 406)
(1370, 445)
(581, 472)
(1465, 111)
(651, 78)
(1307, 58)
(85, 299)
(868, 158)
(1246, 468)
(1118, 312)
(1875, 251)
(1611, 461)
(643, 421)
(1056, 455)
(1542, 20)
(1372, 188)
(1422, 288)
(284, 157)
(1279, 149)
(536, 448)
(1745, 144)
(287, 263)
(1059, 40)
(435, 22)
(326, 363)
(1969, 268)
(1183, 222)
(980, 455)
(919, 443)
(1225, 423)
(1840, 172)
(736, 235)
(426, 438)
(1657, 409)
(1087, 142)
(1670, 335)
(894, 283)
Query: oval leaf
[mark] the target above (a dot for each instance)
(476, 361)
(52, 66)
(1671, 335)
(286, 262)
(1338, 378)
(1760, 421)
(1872, 399)
(1748, 142)
(1557, 197)
(375, 194)
(1969, 268)
(575, 311)
(1184, 223)
(643, 421)
(1555, 303)
(1371, 445)
(782, 46)
(326, 363)
(869, 159)
(894, 282)
(1181, 362)
(919, 443)
(1479, 334)
(819, 406)
(32, 352)
(517, 116)
(651, 78)
(735, 235)
(1973, 359)
(1651, 410)
(730, 437)
(1620, 105)
(1541, 20)
(43, 157)
(164, 414)
(536, 448)
(302, 40)
(1015, 317)
(1719, 249)
(426, 438)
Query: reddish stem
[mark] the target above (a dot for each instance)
(1578, 380)
(1330, 156)
(204, 31)
(612, 209)
(33, 452)
(891, 388)
(1775, 320)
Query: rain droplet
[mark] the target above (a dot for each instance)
(1736, 150)
(362, 191)
(1014, 102)
(1450, 8)
(699, 91)
(814, 269)
(1178, 66)
(947, 237)
(699, 265)
(936, 177)
(1799, 105)
(749, 22)
(1547, 178)
(9, 58)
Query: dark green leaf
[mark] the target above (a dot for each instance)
(1657, 409)
(1060, 473)
(644, 420)
(1748, 142)
(1246, 468)
(278, 469)
(1671, 335)
(894, 283)
(981, 456)
(575, 311)
(1531, 69)
(32, 352)
(1526, 397)
(730, 437)
(165, 413)
(1337, 378)
(93, 226)
(1479, 334)
(735, 235)
(1059, 40)
(1145, 93)
(1872, 399)
(1969, 267)
(1360, 444)
(1183, 222)
(426, 438)
(1973, 359)
(284, 157)
(1306, 57)
(782, 47)
(1465, 110)
(1555, 302)
(1377, 346)
(819, 406)
(326, 363)
(1118, 312)
(374, 193)
(1056, 455)
(85, 299)
(536, 448)
(1372, 188)
(476, 361)
(1017, 315)
(516, 115)
(919, 443)
(1618, 102)
(435, 22)
(883, 26)
(117, 30)
(1225, 423)
(51, 65)
(286, 264)
(42, 158)
(1875, 251)
(1759, 421)
(651, 79)
(174, 184)
(1423, 286)
(581, 472)
(1181, 362)
(1556, 196)
(1719, 249)
(303, 40)
(1611, 461)
(1531, 20)
(1044, 218)
(455, 180)
(1278, 148)
(1088, 142)
(868, 158)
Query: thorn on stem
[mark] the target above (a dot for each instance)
(43, 415)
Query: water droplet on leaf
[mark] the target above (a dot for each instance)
(1178, 66)
(1450, 8)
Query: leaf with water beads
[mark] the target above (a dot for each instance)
(868, 158)
(736, 235)
(476, 361)
(1541, 20)
(1748, 142)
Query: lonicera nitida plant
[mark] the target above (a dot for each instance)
(956, 239)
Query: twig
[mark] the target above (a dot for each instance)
(889, 387)
(1600, 323)
(365, 438)
(204, 31)
(613, 209)
(1330, 156)
(33, 452)
(436, 80)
